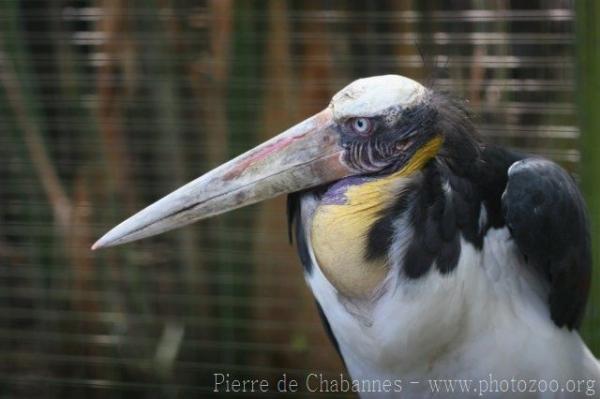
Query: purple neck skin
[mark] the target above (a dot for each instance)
(336, 193)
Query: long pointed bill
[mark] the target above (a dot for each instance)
(304, 156)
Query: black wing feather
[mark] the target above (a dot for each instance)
(547, 217)
(329, 331)
(296, 227)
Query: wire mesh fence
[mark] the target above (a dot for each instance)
(108, 105)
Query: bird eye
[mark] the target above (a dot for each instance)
(361, 126)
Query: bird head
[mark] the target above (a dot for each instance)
(374, 126)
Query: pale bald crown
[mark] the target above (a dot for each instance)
(385, 95)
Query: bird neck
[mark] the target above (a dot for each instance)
(341, 225)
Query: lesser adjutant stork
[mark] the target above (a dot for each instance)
(431, 254)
